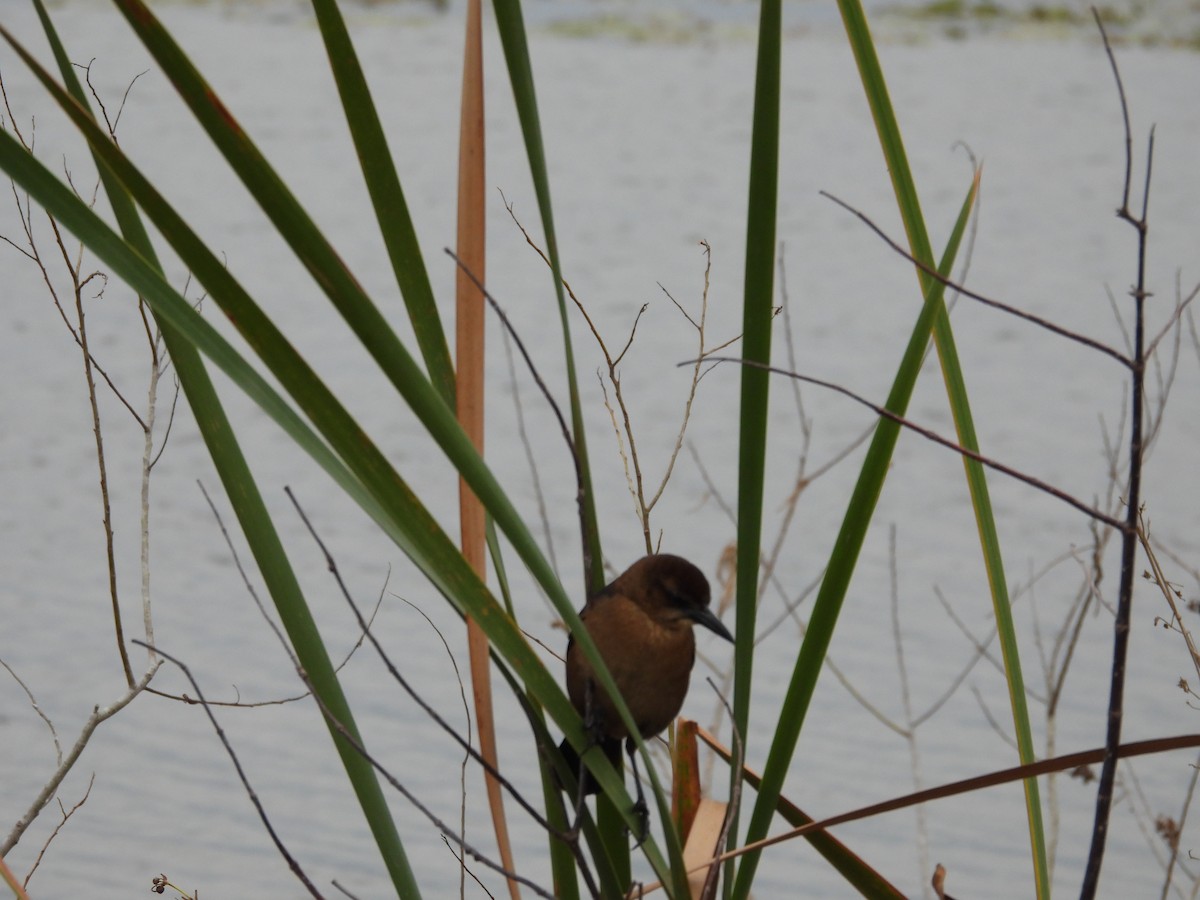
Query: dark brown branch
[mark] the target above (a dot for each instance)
(333, 720)
(237, 765)
(1121, 625)
(562, 422)
(241, 570)
(967, 785)
(331, 564)
(886, 413)
(986, 301)
(1112, 61)
(437, 823)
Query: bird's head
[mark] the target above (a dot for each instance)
(675, 589)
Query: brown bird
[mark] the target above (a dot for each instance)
(642, 626)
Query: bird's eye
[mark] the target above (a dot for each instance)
(678, 599)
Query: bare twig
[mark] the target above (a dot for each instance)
(110, 124)
(921, 835)
(1172, 323)
(1186, 805)
(1121, 625)
(986, 301)
(464, 870)
(523, 434)
(1068, 639)
(98, 715)
(403, 682)
(237, 765)
(66, 814)
(624, 430)
(938, 439)
(148, 457)
(696, 373)
(1170, 593)
(999, 730)
(37, 709)
(237, 562)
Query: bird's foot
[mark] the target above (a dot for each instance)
(641, 812)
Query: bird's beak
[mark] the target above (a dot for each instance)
(709, 620)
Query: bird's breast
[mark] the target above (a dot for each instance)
(650, 661)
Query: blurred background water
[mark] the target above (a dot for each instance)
(646, 112)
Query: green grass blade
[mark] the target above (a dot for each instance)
(256, 523)
(400, 513)
(387, 197)
(379, 490)
(358, 310)
(364, 474)
(842, 561)
(853, 868)
(757, 302)
(904, 186)
(373, 483)
(316, 253)
(285, 212)
(511, 25)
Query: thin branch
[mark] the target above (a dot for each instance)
(1172, 321)
(634, 478)
(970, 785)
(633, 332)
(1170, 594)
(562, 422)
(237, 765)
(464, 870)
(1040, 485)
(523, 434)
(433, 714)
(1121, 625)
(1000, 731)
(93, 721)
(696, 375)
(148, 457)
(1069, 636)
(986, 301)
(37, 709)
(1183, 811)
(110, 124)
(66, 814)
(921, 837)
(241, 570)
